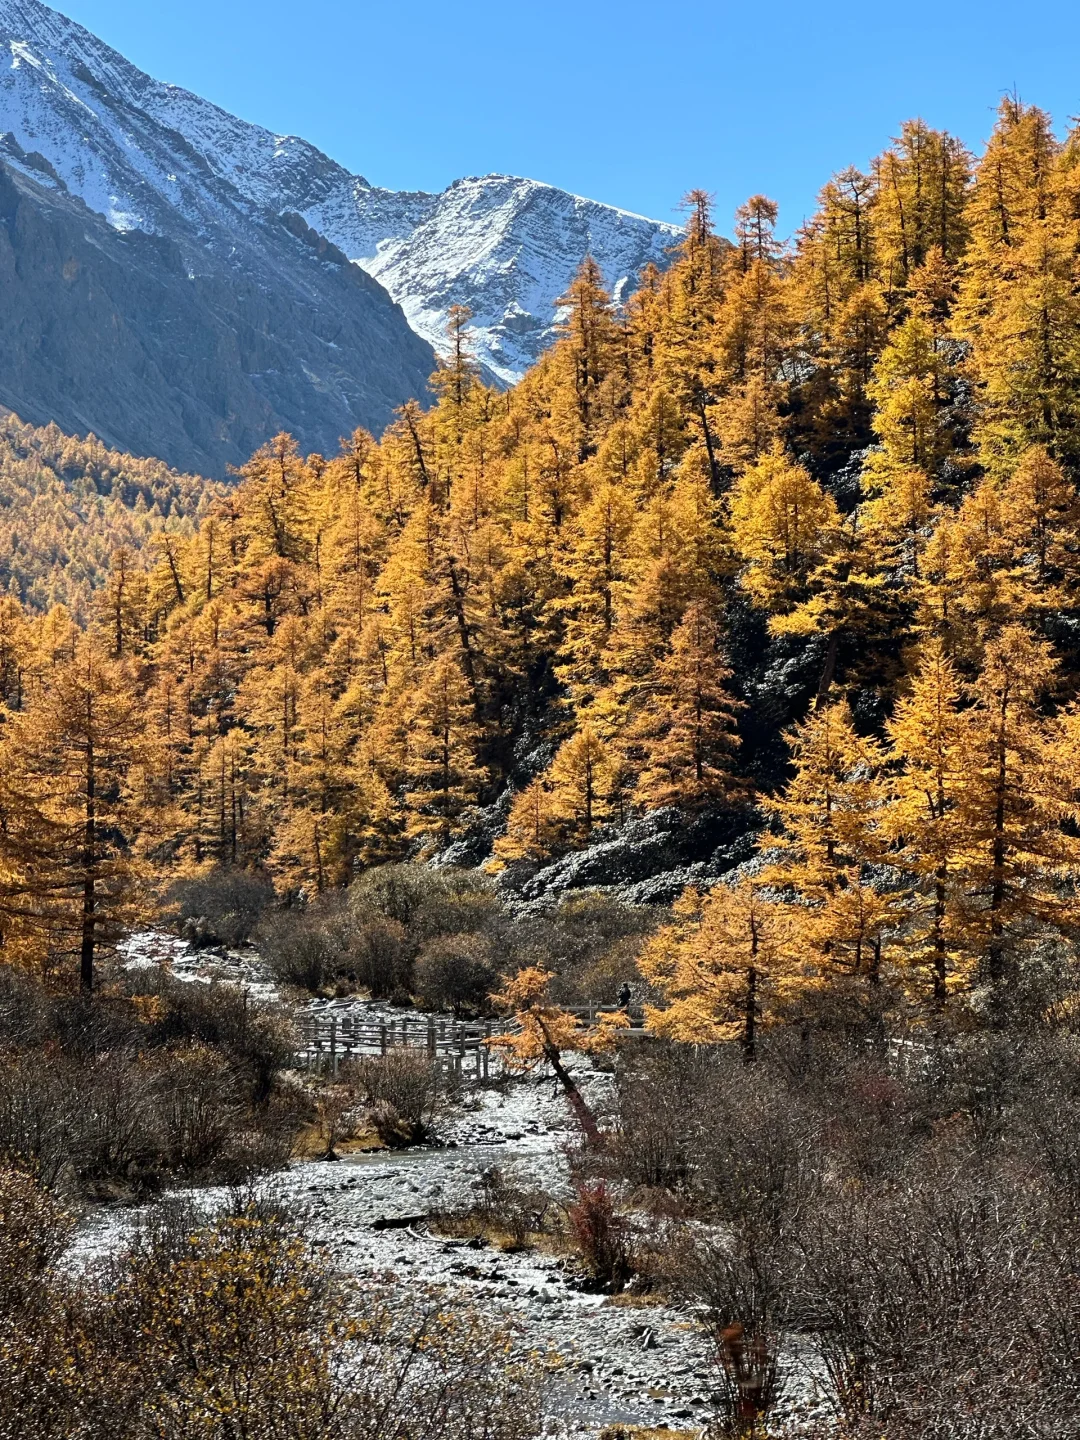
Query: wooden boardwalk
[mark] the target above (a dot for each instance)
(326, 1041)
(329, 1040)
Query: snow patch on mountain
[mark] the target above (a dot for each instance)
(143, 153)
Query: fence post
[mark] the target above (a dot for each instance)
(431, 1037)
(382, 1038)
(333, 1048)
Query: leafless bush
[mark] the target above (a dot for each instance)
(338, 944)
(907, 1203)
(233, 1328)
(596, 938)
(171, 1079)
(120, 1138)
(396, 911)
(426, 902)
(380, 957)
(198, 1105)
(658, 1086)
(229, 903)
(257, 1037)
(503, 1205)
(34, 1232)
(25, 1017)
(402, 1090)
(338, 1110)
(602, 1235)
(300, 949)
(396, 892)
(40, 1114)
(745, 1279)
(734, 1139)
(947, 1304)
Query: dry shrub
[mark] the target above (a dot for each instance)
(602, 1236)
(456, 972)
(300, 950)
(198, 1102)
(905, 1205)
(233, 1328)
(34, 1232)
(744, 1280)
(222, 906)
(511, 1209)
(171, 1079)
(402, 1089)
(379, 957)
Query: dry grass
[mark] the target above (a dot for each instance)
(646, 1432)
(471, 1226)
(638, 1300)
(311, 1143)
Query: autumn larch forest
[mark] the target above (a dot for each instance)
(781, 553)
(789, 538)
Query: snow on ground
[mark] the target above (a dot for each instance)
(641, 1364)
(151, 949)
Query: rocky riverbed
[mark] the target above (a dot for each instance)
(635, 1363)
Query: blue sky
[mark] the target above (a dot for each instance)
(630, 103)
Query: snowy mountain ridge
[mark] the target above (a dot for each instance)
(145, 297)
(75, 113)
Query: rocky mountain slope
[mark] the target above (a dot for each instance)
(154, 158)
(144, 297)
(504, 246)
(196, 356)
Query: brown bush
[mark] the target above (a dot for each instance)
(232, 1328)
(905, 1205)
(222, 906)
(456, 972)
(505, 1206)
(602, 1236)
(171, 1079)
(402, 1089)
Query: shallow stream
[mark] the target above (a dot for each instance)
(637, 1363)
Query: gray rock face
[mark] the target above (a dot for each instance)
(144, 297)
(648, 861)
(116, 333)
(154, 158)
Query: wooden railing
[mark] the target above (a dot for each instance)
(459, 1045)
(328, 1040)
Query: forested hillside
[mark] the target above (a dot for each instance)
(758, 596)
(67, 506)
(828, 485)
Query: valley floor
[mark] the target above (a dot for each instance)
(612, 1362)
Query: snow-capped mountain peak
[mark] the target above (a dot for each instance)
(75, 113)
(152, 290)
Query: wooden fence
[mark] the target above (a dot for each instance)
(460, 1046)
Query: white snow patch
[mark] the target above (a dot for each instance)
(503, 245)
